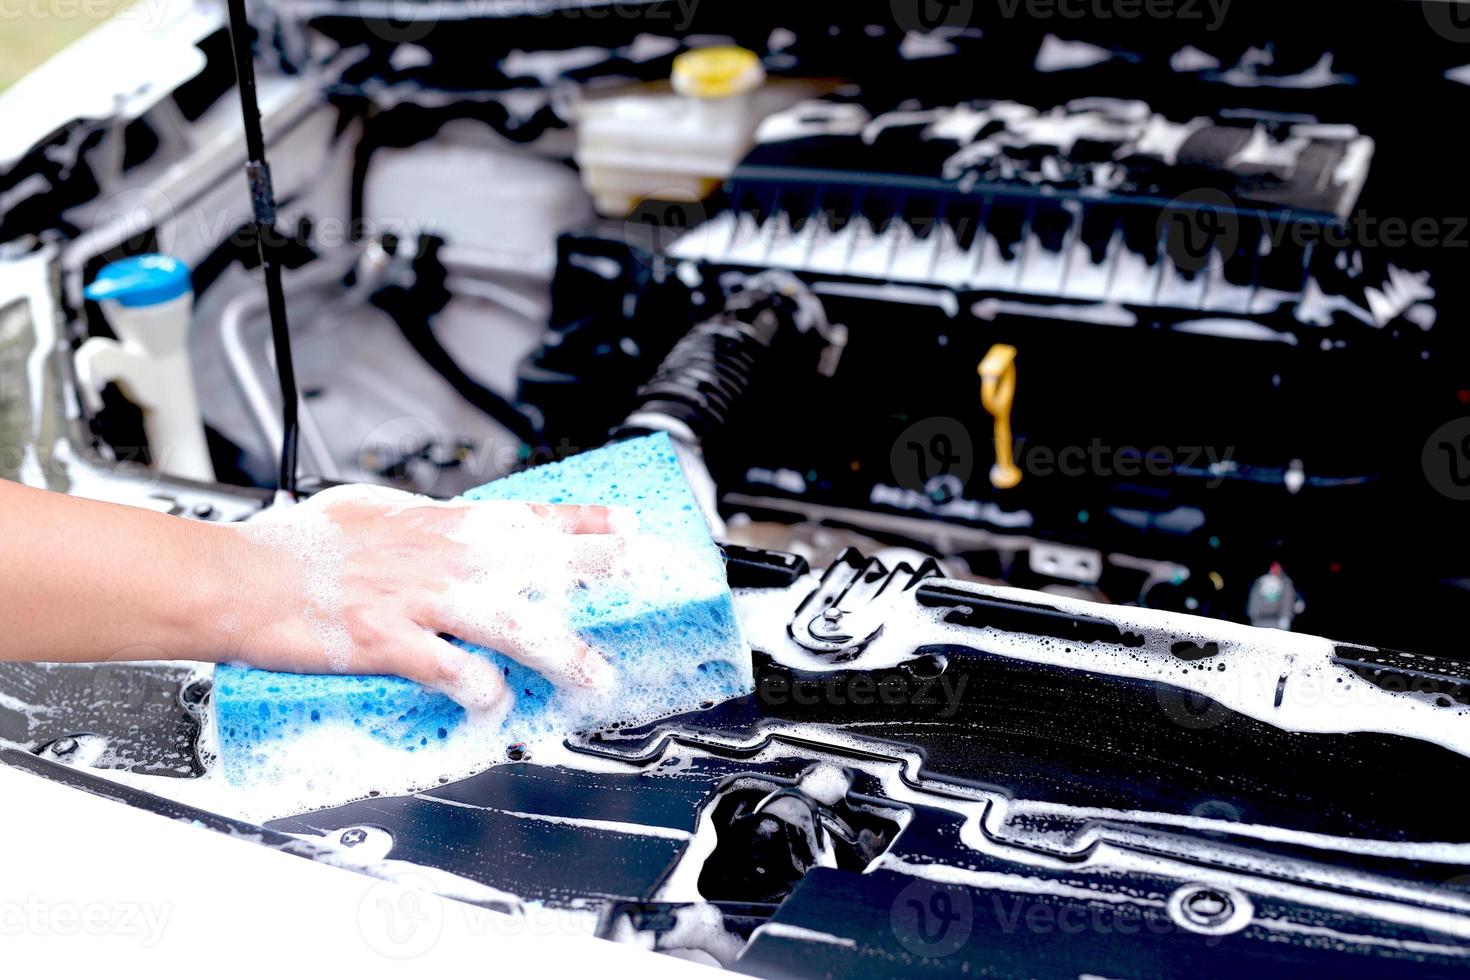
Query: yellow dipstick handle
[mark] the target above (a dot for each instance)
(997, 393)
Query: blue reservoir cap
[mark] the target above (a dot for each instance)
(141, 280)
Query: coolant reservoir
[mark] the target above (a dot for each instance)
(676, 143)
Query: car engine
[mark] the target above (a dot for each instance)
(1054, 377)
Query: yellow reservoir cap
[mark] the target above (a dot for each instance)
(718, 72)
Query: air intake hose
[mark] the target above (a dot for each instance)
(705, 375)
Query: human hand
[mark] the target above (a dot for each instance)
(363, 580)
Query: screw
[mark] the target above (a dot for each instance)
(1206, 907)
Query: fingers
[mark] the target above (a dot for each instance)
(596, 555)
(437, 516)
(553, 651)
(487, 516)
(579, 518)
(471, 680)
(563, 658)
(499, 527)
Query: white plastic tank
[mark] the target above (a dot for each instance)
(674, 142)
(148, 301)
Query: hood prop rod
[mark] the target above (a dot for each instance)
(267, 241)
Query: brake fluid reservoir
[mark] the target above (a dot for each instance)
(672, 143)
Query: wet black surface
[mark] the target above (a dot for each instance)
(885, 924)
(146, 713)
(1058, 761)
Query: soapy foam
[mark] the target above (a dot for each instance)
(1355, 893)
(1319, 694)
(992, 819)
(782, 930)
(993, 825)
(654, 603)
(319, 545)
(32, 712)
(589, 823)
(1252, 653)
(826, 784)
(511, 550)
(702, 928)
(698, 934)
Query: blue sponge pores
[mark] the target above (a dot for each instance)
(673, 638)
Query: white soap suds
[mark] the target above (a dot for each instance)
(1104, 852)
(702, 927)
(781, 930)
(32, 712)
(590, 823)
(517, 579)
(993, 825)
(1319, 694)
(319, 546)
(520, 581)
(827, 785)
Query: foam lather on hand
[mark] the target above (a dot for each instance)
(667, 625)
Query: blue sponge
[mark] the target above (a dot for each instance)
(674, 642)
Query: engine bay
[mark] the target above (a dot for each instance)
(1052, 387)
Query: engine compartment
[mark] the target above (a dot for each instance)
(1020, 361)
(1205, 259)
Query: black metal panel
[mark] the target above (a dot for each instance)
(885, 925)
(146, 713)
